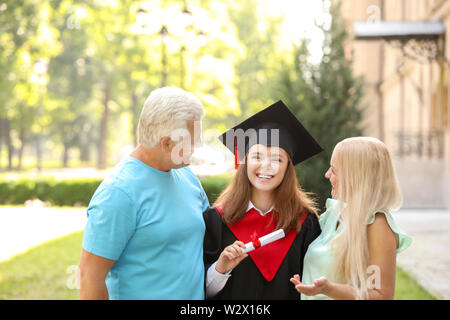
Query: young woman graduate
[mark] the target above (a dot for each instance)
(262, 197)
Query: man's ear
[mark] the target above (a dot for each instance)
(166, 144)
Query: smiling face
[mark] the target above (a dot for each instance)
(332, 176)
(266, 166)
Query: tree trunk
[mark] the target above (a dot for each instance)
(2, 129)
(134, 117)
(85, 155)
(9, 144)
(65, 156)
(102, 156)
(23, 139)
(39, 152)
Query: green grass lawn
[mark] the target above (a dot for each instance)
(408, 289)
(41, 272)
(47, 271)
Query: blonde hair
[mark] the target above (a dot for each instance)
(366, 184)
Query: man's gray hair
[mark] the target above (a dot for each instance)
(165, 111)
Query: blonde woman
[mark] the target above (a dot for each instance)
(355, 255)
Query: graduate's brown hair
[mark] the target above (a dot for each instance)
(291, 202)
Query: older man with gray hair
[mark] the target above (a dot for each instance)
(144, 234)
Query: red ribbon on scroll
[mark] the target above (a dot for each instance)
(255, 240)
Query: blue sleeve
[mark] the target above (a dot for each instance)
(111, 222)
(204, 198)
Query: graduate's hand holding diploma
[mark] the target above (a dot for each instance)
(320, 286)
(238, 250)
(230, 257)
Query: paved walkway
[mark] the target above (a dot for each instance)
(428, 258)
(23, 228)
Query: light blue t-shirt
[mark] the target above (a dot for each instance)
(151, 223)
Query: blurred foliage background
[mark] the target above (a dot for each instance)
(75, 74)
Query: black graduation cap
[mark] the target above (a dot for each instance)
(273, 126)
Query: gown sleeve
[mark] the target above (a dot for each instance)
(212, 248)
(212, 243)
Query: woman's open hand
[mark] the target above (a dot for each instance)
(320, 285)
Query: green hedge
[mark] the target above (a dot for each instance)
(57, 192)
(76, 192)
(214, 185)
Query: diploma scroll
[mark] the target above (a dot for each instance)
(268, 238)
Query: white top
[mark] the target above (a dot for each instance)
(215, 281)
(251, 205)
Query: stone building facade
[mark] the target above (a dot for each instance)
(407, 94)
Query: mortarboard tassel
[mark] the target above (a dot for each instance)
(236, 154)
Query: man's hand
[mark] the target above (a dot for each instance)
(93, 271)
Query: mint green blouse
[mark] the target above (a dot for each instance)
(318, 257)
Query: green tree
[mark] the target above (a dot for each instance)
(260, 60)
(326, 98)
(130, 64)
(71, 85)
(98, 70)
(27, 43)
